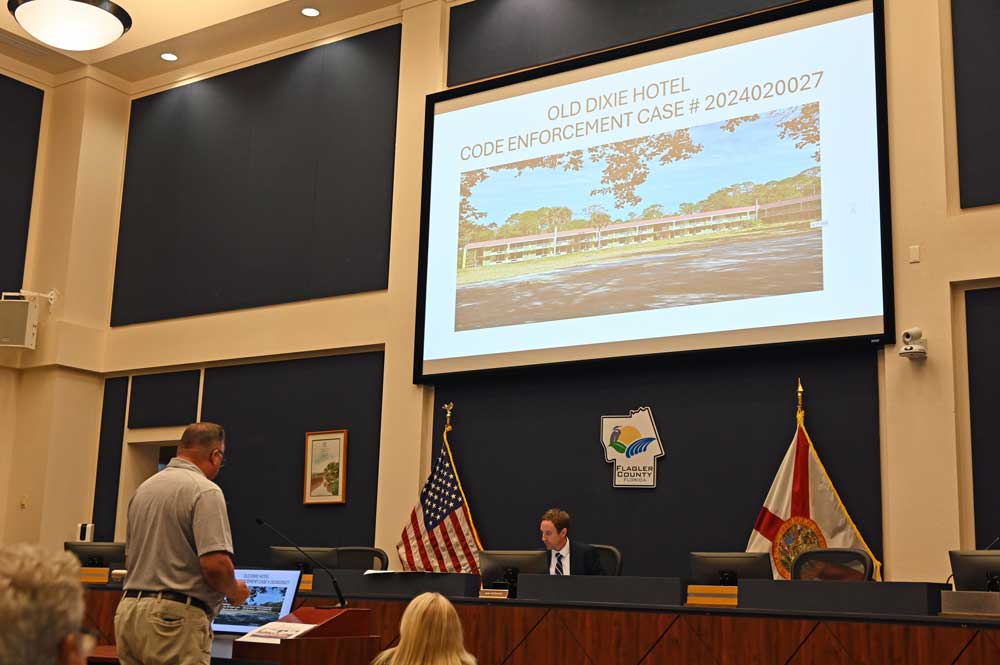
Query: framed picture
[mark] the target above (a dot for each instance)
(326, 466)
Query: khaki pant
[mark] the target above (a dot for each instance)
(153, 631)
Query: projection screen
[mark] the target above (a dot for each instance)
(722, 187)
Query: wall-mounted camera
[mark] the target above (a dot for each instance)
(914, 345)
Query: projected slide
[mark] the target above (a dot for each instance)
(716, 193)
(544, 264)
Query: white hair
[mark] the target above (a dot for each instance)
(41, 602)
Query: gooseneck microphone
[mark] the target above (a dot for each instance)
(336, 587)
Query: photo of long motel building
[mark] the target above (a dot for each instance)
(524, 248)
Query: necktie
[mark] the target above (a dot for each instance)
(559, 567)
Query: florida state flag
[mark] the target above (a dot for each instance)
(803, 510)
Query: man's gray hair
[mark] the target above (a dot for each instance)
(41, 602)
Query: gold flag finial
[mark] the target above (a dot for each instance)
(447, 417)
(800, 391)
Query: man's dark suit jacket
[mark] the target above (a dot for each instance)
(583, 560)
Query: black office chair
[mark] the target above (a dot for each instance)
(611, 558)
(362, 558)
(842, 564)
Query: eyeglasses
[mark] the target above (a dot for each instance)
(222, 457)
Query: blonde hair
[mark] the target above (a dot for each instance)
(41, 602)
(429, 634)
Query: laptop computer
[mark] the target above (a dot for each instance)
(272, 595)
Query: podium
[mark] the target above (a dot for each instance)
(341, 636)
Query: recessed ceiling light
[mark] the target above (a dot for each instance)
(71, 25)
(169, 57)
(311, 12)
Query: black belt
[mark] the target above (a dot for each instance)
(171, 595)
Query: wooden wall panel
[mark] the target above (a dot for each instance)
(984, 648)
(495, 631)
(549, 642)
(751, 641)
(900, 644)
(99, 613)
(680, 645)
(821, 648)
(633, 634)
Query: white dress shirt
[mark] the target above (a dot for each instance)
(565, 560)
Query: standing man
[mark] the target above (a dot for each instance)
(179, 556)
(565, 557)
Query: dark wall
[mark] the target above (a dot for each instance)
(22, 118)
(525, 442)
(164, 400)
(265, 185)
(490, 37)
(266, 410)
(982, 320)
(109, 458)
(975, 26)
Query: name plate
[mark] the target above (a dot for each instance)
(715, 596)
(494, 594)
(90, 575)
(306, 583)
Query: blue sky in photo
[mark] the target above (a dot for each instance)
(753, 153)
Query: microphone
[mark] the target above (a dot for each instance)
(336, 587)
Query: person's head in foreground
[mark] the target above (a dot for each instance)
(429, 634)
(41, 607)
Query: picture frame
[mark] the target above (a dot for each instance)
(325, 467)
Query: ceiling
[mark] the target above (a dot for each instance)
(196, 30)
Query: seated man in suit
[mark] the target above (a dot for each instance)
(567, 557)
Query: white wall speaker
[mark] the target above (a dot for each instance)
(18, 323)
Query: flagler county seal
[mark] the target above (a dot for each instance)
(796, 535)
(633, 445)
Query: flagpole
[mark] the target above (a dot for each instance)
(468, 511)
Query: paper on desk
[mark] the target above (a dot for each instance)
(274, 632)
(373, 571)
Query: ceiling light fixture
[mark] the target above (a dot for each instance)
(169, 57)
(311, 12)
(71, 25)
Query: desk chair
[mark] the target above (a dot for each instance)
(362, 558)
(611, 558)
(846, 565)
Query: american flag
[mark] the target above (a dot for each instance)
(440, 536)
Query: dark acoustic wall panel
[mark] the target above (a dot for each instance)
(22, 118)
(491, 37)
(109, 458)
(982, 321)
(266, 410)
(527, 441)
(975, 27)
(265, 185)
(164, 400)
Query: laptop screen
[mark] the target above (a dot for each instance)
(272, 593)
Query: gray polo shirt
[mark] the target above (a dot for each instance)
(175, 517)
